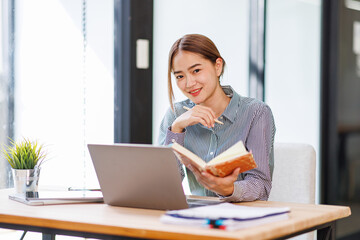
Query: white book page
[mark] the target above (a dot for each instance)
(238, 149)
(190, 155)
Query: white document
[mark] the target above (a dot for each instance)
(227, 216)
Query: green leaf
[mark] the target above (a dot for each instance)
(24, 155)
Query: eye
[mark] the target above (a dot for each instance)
(196, 70)
(179, 76)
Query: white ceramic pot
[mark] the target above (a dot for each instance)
(26, 180)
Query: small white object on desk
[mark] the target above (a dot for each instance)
(57, 197)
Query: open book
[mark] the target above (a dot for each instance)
(222, 165)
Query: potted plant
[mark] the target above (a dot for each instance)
(25, 158)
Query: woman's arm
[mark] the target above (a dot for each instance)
(257, 182)
(197, 114)
(166, 136)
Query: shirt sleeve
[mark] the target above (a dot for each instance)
(256, 184)
(166, 136)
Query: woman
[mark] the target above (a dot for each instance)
(197, 66)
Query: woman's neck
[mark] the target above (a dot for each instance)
(218, 102)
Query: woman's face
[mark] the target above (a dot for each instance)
(196, 77)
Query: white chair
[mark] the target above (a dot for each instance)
(294, 176)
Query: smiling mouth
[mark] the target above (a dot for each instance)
(195, 92)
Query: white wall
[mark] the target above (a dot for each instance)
(224, 22)
(50, 84)
(293, 70)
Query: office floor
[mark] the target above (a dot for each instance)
(16, 235)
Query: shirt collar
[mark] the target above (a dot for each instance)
(232, 109)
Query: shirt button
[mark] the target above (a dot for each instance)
(211, 153)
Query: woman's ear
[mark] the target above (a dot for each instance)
(218, 66)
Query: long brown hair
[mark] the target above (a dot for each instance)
(195, 43)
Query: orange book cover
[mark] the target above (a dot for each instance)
(222, 165)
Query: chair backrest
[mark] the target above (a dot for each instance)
(294, 173)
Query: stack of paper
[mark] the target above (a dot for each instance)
(225, 216)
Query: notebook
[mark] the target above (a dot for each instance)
(226, 216)
(40, 198)
(141, 176)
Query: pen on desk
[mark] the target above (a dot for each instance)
(219, 122)
(213, 223)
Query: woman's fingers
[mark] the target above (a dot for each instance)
(207, 110)
(205, 114)
(223, 186)
(235, 174)
(197, 114)
(196, 172)
(204, 119)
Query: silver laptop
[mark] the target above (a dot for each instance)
(140, 175)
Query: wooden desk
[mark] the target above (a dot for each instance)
(103, 221)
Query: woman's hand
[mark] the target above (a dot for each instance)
(223, 186)
(197, 114)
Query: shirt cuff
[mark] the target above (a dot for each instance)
(235, 196)
(177, 137)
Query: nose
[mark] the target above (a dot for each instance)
(190, 81)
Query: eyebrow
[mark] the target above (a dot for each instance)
(195, 65)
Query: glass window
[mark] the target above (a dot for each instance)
(1, 40)
(5, 79)
(292, 72)
(64, 83)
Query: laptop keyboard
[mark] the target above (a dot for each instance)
(201, 202)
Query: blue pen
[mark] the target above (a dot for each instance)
(215, 223)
